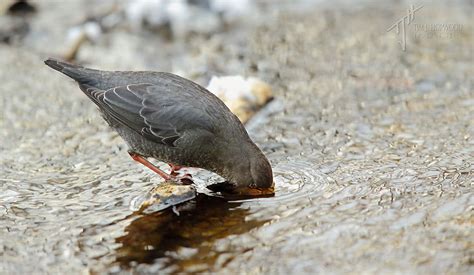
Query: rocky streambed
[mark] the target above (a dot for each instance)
(372, 149)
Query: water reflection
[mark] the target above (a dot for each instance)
(186, 239)
(194, 239)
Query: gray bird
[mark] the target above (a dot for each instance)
(175, 120)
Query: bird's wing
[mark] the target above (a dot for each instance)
(158, 113)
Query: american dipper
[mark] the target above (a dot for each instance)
(175, 120)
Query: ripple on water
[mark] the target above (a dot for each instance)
(210, 219)
(294, 181)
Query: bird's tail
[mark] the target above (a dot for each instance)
(76, 72)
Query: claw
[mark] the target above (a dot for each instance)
(174, 168)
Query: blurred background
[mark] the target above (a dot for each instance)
(180, 36)
(370, 135)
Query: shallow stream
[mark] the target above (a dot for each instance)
(372, 149)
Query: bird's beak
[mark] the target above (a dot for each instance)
(256, 192)
(229, 189)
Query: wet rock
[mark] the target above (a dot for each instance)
(244, 97)
(165, 195)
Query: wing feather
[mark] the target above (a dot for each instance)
(156, 112)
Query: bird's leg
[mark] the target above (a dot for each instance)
(142, 160)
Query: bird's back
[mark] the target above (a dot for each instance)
(175, 100)
(182, 89)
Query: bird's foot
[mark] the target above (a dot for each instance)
(174, 168)
(185, 179)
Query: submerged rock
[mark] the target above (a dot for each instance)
(165, 195)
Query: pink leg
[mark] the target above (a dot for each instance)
(142, 160)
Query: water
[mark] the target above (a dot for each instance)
(183, 239)
(372, 151)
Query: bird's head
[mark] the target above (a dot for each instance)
(249, 173)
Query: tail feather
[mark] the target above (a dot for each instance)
(76, 72)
